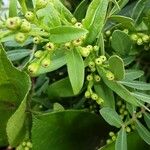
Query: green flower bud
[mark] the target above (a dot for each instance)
(121, 110)
(134, 37)
(50, 47)
(113, 138)
(125, 112)
(93, 69)
(26, 148)
(20, 37)
(68, 45)
(103, 58)
(146, 47)
(77, 42)
(128, 129)
(94, 96)
(90, 47)
(119, 103)
(36, 40)
(91, 64)
(25, 26)
(123, 106)
(24, 144)
(145, 38)
(73, 20)
(110, 75)
(111, 134)
(108, 33)
(41, 4)
(87, 94)
(85, 52)
(97, 78)
(139, 41)
(126, 31)
(89, 77)
(98, 61)
(109, 141)
(46, 62)
(13, 23)
(100, 101)
(29, 144)
(29, 16)
(78, 25)
(38, 54)
(96, 48)
(33, 67)
(140, 115)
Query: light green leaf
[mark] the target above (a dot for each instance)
(121, 42)
(75, 67)
(118, 88)
(66, 130)
(18, 54)
(106, 94)
(14, 86)
(133, 74)
(121, 141)
(66, 33)
(95, 19)
(142, 96)
(136, 85)
(118, 71)
(147, 119)
(61, 88)
(143, 132)
(111, 116)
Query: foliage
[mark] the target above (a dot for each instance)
(75, 76)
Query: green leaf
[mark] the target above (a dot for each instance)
(118, 88)
(75, 67)
(58, 107)
(128, 60)
(12, 8)
(95, 19)
(66, 33)
(18, 54)
(58, 60)
(14, 86)
(111, 116)
(132, 139)
(121, 141)
(133, 74)
(143, 132)
(61, 88)
(136, 85)
(118, 71)
(142, 96)
(121, 42)
(147, 119)
(66, 130)
(106, 94)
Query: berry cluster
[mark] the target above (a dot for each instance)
(27, 145)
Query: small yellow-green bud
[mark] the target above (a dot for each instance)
(98, 61)
(97, 78)
(29, 144)
(134, 37)
(103, 58)
(46, 62)
(145, 38)
(20, 37)
(93, 69)
(25, 26)
(114, 138)
(96, 48)
(109, 141)
(73, 20)
(91, 64)
(119, 103)
(94, 96)
(78, 25)
(90, 47)
(111, 134)
(126, 31)
(125, 112)
(68, 45)
(26, 148)
(24, 144)
(41, 4)
(85, 52)
(77, 42)
(38, 54)
(100, 101)
(110, 75)
(29, 16)
(89, 77)
(128, 129)
(50, 46)
(139, 41)
(36, 40)
(146, 47)
(13, 23)
(33, 67)
(108, 33)
(87, 94)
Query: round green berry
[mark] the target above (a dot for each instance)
(139, 41)
(103, 58)
(94, 96)
(134, 37)
(33, 68)
(111, 134)
(26, 148)
(29, 16)
(89, 77)
(25, 26)
(13, 23)
(50, 46)
(110, 76)
(95, 48)
(85, 52)
(77, 42)
(36, 40)
(38, 54)
(46, 62)
(24, 144)
(90, 47)
(98, 61)
(29, 144)
(41, 4)
(113, 138)
(97, 78)
(126, 31)
(145, 38)
(108, 33)
(20, 37)
(128, 129)
(109, 141)
(87, 94)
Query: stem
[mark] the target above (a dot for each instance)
(23, 6)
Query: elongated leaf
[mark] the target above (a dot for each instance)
(133, 74)
(18, 54)
(95, 19)
(66, 33)
(118, 88)
(121, 141)
(75, 67)
(147, 119)
(121, 42)
(66, 130)
(12, 8)
(136, 85)
(61, 88)
(106, 94)
(143, 132)
(14, 85)
(118, 71)
(111, 116)
(141, 96)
